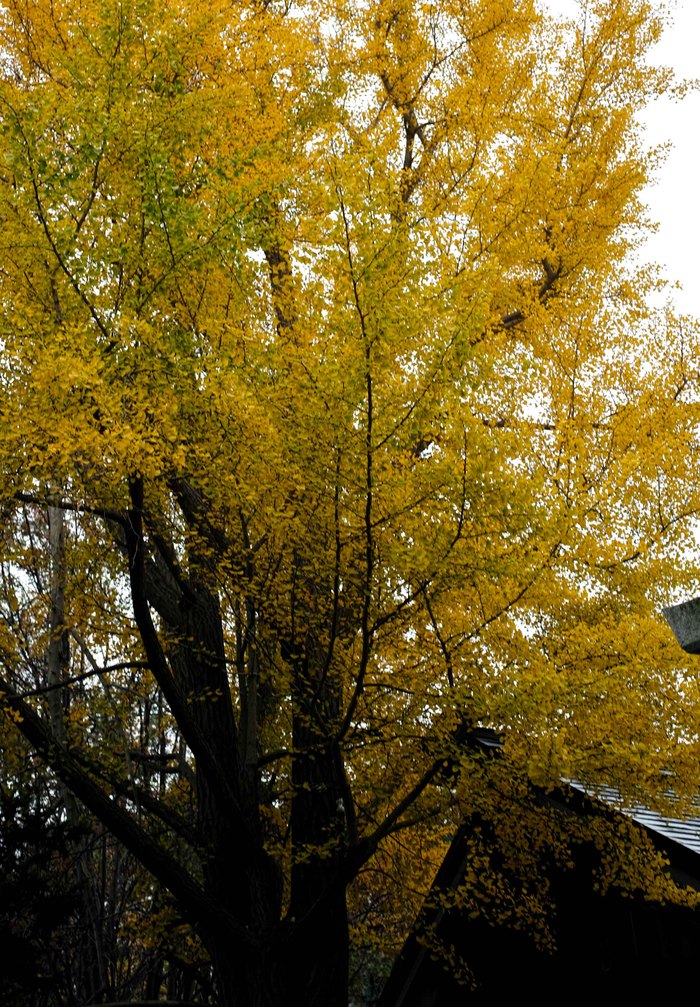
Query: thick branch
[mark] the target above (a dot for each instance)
(154, 652)
(119, 822)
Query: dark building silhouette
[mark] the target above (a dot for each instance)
(606, 944)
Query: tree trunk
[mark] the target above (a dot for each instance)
(306, 965)
(318, 945)
(91, 975)
(318, 955)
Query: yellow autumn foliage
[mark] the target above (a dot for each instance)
(320, 325)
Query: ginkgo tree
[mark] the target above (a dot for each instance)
(350, 432)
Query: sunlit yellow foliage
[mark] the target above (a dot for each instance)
(320, 326)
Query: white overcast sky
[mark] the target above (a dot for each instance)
(674, 201)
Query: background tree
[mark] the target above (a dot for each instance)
(318, 331)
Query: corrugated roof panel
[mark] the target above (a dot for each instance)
(685, 831)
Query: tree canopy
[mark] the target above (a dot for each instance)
(336, 425)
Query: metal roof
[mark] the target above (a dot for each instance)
(684, 831)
